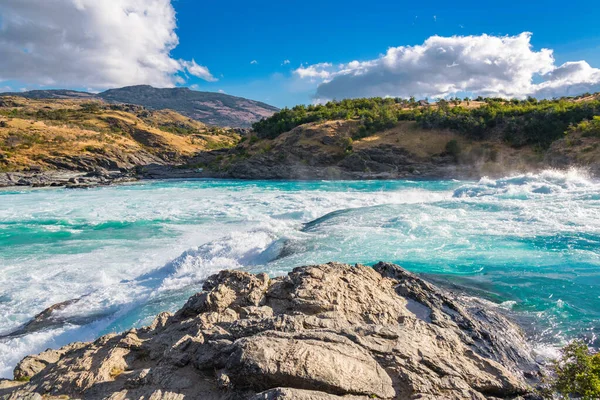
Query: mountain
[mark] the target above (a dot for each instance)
(51, 94)
(216, 109)
(211, 108)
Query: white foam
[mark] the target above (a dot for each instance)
(180, 233)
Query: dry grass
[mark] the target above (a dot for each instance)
(408, 135)
(30, 136)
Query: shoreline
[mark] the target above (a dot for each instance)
(102, 177)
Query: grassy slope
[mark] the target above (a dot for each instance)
(33, 133)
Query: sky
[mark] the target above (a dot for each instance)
(290, 52)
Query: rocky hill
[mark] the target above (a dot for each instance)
(327, 150)
(217, 109)
(393, 138)
(330, 331)
(83, 136)
(354, 139)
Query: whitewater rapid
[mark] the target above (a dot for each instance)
(530, 243)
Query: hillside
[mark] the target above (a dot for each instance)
(352, 139)
(217, 109)
(79, 135)
(395, 138)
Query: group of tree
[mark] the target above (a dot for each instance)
(374, 113)
(518, 122)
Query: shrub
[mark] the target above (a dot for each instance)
(453, 148)
(577, 372)
(91, 107)
(589, 128)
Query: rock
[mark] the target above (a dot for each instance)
(325, 362)
(321, 332)
(299, 394)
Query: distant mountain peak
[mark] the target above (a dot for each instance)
(212, 108)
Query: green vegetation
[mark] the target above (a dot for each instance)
(528, 122)
(178, 129)
(453, 148)
(518, 122)
(375, 114)
(589, 128)
(577, 372)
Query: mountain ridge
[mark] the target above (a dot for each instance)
(212, 108)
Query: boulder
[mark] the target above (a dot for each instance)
(322, 332)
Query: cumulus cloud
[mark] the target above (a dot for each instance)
(570, 79)
(198, 70)
(442, 66)
(285, 62)
(91, 43)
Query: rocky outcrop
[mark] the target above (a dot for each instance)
(321, 332)
(68, 179)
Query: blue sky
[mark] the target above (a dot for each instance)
(226, 36)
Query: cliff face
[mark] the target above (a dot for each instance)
(322, 332)
(326, 151)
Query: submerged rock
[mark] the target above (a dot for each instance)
(321, 332)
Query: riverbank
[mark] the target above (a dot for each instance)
(320, 332)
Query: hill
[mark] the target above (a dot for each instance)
(351, 139)
(395, 138)
(217, 109)
(83, 135)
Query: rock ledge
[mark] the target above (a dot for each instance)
(321, 332)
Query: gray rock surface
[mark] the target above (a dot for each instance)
(65, 178)
(321, 332)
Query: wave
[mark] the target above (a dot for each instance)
(542, 183)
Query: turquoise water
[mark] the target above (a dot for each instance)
(529, 243)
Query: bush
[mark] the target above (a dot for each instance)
(92, 107)
(374, 113)
(453, 148)
(577, 372)
(589, 128)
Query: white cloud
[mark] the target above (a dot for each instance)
(91, 43)
(285, 62)
(222, 91)
(253, 62)
(482, 65)
(322, 71)
(198, 70)
(570, 79)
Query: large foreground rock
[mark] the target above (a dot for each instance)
(322, 332)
